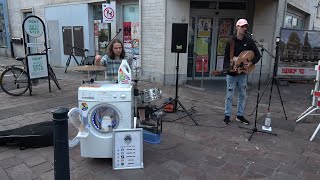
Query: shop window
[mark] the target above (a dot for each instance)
(3, 34)
(131, 29)
(294, 22)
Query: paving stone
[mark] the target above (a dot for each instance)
(6, 155)
(233, 169)
(4, 175)
(13, 161)
(253, 175)
(173, 166)
(20, 172)
(23, 154)
(47, 175)
(281, 176)
(42, 168)
(34, 160)
(189, 173)
(89, 176)
(95, 165)
(79, 172)
(264, 161)
(261, 169)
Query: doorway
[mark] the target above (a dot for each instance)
(200, 53)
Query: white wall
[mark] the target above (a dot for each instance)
(70, 15)
(265, 30)
(178, 11)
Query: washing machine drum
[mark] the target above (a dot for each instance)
(104, 118)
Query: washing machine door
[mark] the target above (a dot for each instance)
(78, 127)
(104, 118)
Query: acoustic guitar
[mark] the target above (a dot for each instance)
(238, 64)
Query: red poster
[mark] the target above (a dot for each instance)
(199, 63)
(127, 32)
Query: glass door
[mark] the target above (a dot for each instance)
(225, 29)
(200, 46)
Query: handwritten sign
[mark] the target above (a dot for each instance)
(37, 66)
(33, 26)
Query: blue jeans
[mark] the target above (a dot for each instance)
(239, 81)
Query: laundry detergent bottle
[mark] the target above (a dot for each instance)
(124, 73)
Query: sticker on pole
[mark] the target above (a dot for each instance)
(33, 26)
(109, 12)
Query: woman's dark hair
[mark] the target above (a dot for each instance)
(110, 49)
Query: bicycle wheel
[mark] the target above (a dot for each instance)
(54, 77)
(14, 81)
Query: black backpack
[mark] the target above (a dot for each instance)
(30, 136)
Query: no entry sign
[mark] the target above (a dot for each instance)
(109, 12)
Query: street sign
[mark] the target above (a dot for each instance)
(109, 12)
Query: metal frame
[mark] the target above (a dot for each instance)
(140, 143)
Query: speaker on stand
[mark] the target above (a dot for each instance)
(179, 45)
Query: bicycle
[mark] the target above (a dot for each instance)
(14, 79)
(84, 58)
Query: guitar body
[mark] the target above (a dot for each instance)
(243, 58)
(238, 64)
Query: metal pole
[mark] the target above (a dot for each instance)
(61, 146)
(109, 25)
(202, 71)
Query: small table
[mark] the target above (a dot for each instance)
(89, 69)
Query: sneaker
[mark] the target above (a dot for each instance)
(243, 120)
(227, 120)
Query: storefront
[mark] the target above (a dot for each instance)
(211, 24)
(82, 25)
(4, 29)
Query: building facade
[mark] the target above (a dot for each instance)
(146, 29)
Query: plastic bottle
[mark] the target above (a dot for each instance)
(267, 121)
(124, 73)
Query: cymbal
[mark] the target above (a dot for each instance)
(88, 68)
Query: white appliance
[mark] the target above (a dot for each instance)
(103, 107)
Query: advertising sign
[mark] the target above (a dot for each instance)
(33, 26)
(299, 52)
(37, 66)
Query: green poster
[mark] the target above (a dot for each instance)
(202, 46)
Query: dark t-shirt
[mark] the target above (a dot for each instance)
(246, 43)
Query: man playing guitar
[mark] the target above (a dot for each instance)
(236, 45)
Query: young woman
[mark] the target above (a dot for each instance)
(112, 60)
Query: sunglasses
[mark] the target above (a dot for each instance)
(244, 26)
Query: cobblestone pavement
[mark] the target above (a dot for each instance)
(209, 151)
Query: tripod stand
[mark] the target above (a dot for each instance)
(254, 128)
(273, 79)
(176, 99)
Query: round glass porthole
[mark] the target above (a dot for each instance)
(105, 118)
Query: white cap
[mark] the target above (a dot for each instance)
(242, 22)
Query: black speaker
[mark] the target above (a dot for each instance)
(179, 38)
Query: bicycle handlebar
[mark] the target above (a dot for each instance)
(75, 47)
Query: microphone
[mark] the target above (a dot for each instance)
(248, 33)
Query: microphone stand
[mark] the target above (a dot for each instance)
(118, 32)
(254, 128)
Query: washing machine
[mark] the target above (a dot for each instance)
(103, 107)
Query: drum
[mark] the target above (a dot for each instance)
(149, 95)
